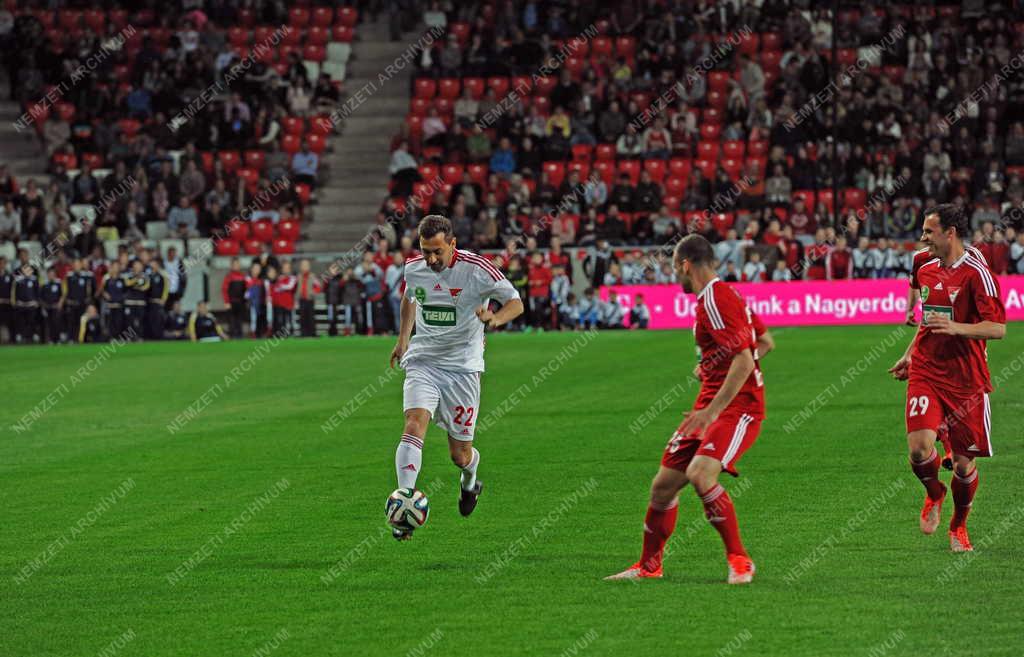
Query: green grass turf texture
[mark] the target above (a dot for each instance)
(837, 493)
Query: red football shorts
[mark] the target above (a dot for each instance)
(725, 439)
(968, 417)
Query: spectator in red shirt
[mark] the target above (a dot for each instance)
(558, 258)
(817, 256)
(539, 280)
(308, 286)
(790, 250)
(839, 263)
(282, 297)
(800, 219)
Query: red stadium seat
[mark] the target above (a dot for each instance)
(710, 131)
(298, 17)
(499, 84)
(733, 149)
(625, 46)
(770, 60)
(605, 169)
(255, 159)
(523, 84)
(422, 192)
(424, 88)
(265, 33)
(94, 160)
(229, 247)
(303, 192)
(855, 198)
(118, 17)
(542, 103)
(96, 20)
(631, 167)
(847, 57)
(293, 125)
(826, 198)
(758, 148)
(680, 167)
(428, 171)
(207, 159)
(582, 152)
(771, 41)
(415, 124)
(707, 167)
(445, 107)
(322, 16)
(314, 53)
(545, 84)
(605, 152)
(656, 169)
(66, 111)
(580, 166)
(317, 36)
(449, 88)
(708, 150)
(262, 230)
(676, 186)
(575, 66)
(759, 163)
(475, 86)
(672, 201)
(723, 221)
(69, 19)
(732, 167)
(461, 31)
(68, 160)
(750, 43)
(238, 230)
(317, 143)
(290, 144)
(719, 81)
(238, 36)
(289, 230)
(343, 33)
(252, 246)
(695, 220)
(717, 99)
(478, 173)
(246, 17)
(230, 160)
(251, 178)
(555, 171)
(452, 173)
(347, 16)
(807, 195)
(419, 106)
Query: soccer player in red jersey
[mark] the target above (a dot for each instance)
(723, 424)
(947, 370)
(921, 257)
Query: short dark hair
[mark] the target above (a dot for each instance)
(950, 216)
(432, 224)
(695, 248)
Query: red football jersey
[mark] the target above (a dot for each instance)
(966, 292)
(922, 256)
(723, 329)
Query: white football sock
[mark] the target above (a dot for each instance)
(468, 478)
(408, 459)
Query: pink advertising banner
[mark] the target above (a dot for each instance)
(803, 303)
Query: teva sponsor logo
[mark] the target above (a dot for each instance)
(439, 315)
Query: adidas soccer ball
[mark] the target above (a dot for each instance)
(407, 508)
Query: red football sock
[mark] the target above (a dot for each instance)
(658, 526)
(963, 495)
(722, 515)
(928, 472)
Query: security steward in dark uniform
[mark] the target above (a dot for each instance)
(52, 301)
(90, 328)
(6, 307)
(158, 293)
(79, 292)
(136, 298)
(25, 299)
(112, 291)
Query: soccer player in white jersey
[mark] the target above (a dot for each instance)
(446, 295)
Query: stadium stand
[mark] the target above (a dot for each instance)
(590, 133)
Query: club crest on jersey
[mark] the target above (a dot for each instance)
(924, 292)
(953, 291)
(421, 295)
(455, 292)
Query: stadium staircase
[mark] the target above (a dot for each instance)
(348, 203)
(22, 154)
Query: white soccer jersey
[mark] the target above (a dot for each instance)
(448, 333)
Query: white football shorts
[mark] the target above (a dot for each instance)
(453, 398)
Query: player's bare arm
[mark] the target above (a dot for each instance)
(505, 314)
(901, 369)
(408, 320)
(986, 330)
(912, 296)
(765, 343)
(739, 370)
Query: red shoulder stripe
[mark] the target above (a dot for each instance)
(482, 263)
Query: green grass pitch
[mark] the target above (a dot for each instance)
(255, 527)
